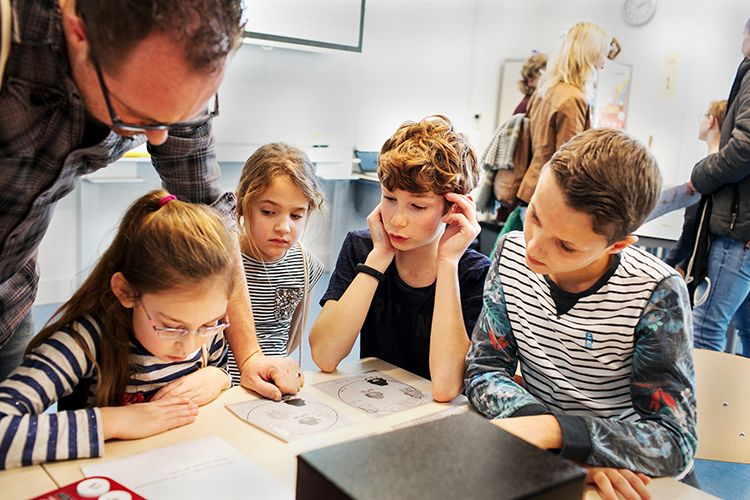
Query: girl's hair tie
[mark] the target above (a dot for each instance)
(166, 199)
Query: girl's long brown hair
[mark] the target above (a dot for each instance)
(156, 248)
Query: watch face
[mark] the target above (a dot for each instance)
(638, 12)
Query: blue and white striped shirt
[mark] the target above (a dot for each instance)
(53, 370)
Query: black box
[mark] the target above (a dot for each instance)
(461, 456)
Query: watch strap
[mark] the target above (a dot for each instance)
(364, 268)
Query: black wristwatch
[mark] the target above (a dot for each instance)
(363, 268)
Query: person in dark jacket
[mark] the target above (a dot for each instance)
(725, 176)
(709, 131)
(84, 81)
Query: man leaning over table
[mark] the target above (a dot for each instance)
(83, 82)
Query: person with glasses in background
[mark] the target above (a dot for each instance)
(709, 131)
(724, 176)
(81, 83)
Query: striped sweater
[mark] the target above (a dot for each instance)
(53, 371)
(275, 293)
(613, 364)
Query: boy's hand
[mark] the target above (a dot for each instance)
(613, 484)
(271, 376)
(201, 386)
(462, 227)
(382, 252)
(146, 419)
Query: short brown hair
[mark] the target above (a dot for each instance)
(718, 109)
(428, 156)
(208, 30)
(610, 176)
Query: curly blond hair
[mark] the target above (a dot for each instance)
(428, 155)
(531, 69)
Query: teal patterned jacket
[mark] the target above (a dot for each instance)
(661, 442)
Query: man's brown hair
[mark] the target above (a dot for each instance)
(610, 176)
(208, 30)
(428, 156)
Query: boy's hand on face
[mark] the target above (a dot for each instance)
(146, 419)
(201, 386)
(382, 252)
(462, 227)
(613, 484)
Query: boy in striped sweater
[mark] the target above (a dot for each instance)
(602, 330)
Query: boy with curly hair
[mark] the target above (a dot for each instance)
(413, 255)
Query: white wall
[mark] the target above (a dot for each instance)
(414, 63)
(422, 57)
(703, 34)
(58, 253)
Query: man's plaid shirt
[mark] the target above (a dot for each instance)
(42, 125)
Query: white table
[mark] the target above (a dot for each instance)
(25, 482)
(278, 457)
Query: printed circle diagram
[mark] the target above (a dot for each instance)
(298, 417)
(380, 395)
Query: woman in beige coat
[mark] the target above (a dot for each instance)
(559, 108)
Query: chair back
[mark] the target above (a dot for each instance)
(723, 406)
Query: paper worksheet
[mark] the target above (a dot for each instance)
(292, 418)
(672, 199)
(375, 393)
(203, 468)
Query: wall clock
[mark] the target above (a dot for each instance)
(638, 12)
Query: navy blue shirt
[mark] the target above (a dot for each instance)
(398, 323)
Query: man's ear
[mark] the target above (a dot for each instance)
(619, 246)
(126, 294)
(75, 34)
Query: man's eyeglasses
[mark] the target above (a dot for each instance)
(166, 333)
(211, 112)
